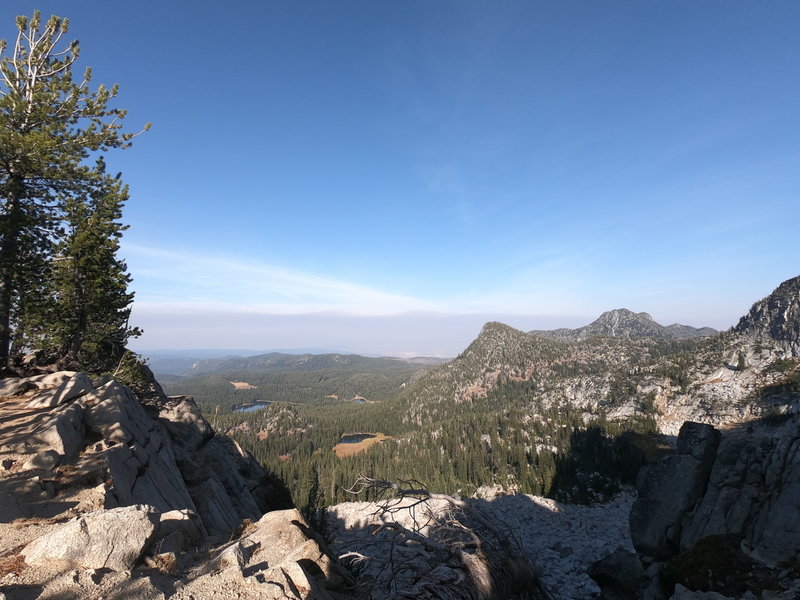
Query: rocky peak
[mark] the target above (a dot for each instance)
(624, 323)
(776, 317)
(494, 331)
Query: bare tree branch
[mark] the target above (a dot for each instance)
(440, 547)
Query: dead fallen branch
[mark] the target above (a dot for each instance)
(440, 547)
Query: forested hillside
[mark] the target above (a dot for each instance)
(300, 379)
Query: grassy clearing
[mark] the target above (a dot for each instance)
(343, 450)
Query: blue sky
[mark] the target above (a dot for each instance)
(384, 177)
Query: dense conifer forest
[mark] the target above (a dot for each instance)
(513, 436)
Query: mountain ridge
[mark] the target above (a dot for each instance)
(624, 323)
(624, 364)
(280, 361)
(776, 317)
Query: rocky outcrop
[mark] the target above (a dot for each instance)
(136, 452)
(277, 557)
(106, 539)
(723, 517)
(754, 491)
(776, 317)
(669, 490)
(226, 483)
(159, 452)
(97, 483)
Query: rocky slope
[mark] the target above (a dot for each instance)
(623, 323)
(776, 318)
(560, 540)
(625, 364)
(105, 494)
(717, 519)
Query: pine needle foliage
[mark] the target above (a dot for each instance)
(58, 206)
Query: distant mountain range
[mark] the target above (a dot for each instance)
(624, 323)
(274, 362)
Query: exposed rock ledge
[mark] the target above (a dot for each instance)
(720, 519)
(95, 482)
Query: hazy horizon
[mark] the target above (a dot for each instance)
(440, 336)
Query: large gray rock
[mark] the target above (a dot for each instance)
(277, 535)
(61, 430)
(754, 491)
(620, 575)
(106, 539)
(140, 461)
(69, 388)
(46, 460)
(225, 482)
(277, 559)
(669, 491)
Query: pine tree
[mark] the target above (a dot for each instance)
(49, 125)
(90, 283)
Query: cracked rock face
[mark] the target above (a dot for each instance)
(670, 489)
(140, 460)
(754, 490)
(742, 490)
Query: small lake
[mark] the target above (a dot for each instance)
(355, 438)
(248, 408)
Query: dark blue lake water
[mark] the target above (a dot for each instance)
(355, 438)
(247, 408)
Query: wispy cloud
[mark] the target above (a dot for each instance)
(193, 282)
(197, 281)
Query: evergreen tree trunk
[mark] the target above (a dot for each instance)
(10, 225)
(7, 253)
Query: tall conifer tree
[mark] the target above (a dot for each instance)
(49, 124)
(91, 302)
